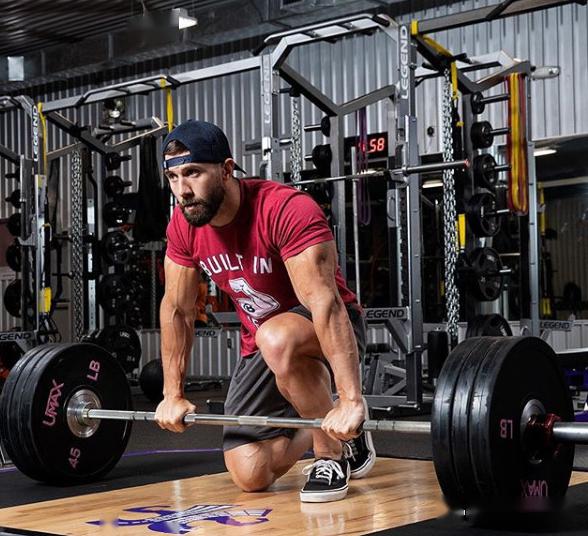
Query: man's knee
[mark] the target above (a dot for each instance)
(277, 347)
(250, 471)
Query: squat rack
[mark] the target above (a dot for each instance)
(271, 67)
(34, 237)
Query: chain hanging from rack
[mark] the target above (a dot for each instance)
(77, 245)
(296, 134)
(449, 211)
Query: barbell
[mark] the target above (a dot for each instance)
(501, 425)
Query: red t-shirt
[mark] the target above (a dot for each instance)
(245, 258)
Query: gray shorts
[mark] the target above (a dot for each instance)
(253, 389)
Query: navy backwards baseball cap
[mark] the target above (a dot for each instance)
(206, 142)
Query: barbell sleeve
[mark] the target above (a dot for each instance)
(432, 168)
(490, 99)
(415, 427)
(500, 131)
(571, 432)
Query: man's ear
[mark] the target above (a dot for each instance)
(229, 167)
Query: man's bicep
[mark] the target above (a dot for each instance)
(181, 285)
(312, 273)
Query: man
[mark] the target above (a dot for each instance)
(269, 247)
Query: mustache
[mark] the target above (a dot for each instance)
(192, 203)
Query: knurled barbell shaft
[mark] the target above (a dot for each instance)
(378, 174)
(414, 427)
(564, 432)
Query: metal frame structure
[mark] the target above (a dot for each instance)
(93, 140)
(275, 69)
(33, 237)
(86, 209)
(272, 67)
(411, 44)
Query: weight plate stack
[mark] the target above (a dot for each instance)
(35, 404)
(12, 298)
(492, 325)
(151, 380)
(519, 378)
(441, 420)
(10, 426)
(481, 216)
(485, 173)
(122, 342)
(483, 274)
(14, 257)
(464, 472)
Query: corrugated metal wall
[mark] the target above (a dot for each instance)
(557, 36)
(214, 352)
(346, 70)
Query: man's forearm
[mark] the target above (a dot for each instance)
(337, 341)
(177, 333)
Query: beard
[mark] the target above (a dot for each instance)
(199, 212)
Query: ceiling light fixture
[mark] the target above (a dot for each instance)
(433, 184)
(184, 20)
(544, 152)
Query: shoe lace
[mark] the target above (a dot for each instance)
(324, 469)
(350, 449)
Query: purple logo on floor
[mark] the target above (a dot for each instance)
(179, 522)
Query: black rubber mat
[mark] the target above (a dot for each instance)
(135, 469)
(571, 521)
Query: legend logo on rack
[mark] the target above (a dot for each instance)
(386, 313)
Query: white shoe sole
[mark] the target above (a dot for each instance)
(325, 496)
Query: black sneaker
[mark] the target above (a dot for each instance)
(327, 480)
(360, 452)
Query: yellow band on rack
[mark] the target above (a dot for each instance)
(454, 79)
(169, 108)
(45, 300)
(43, 135)
(461, 230)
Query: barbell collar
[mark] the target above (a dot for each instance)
(571, 432)
(84, 414)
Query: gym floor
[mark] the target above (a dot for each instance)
(177, 484)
